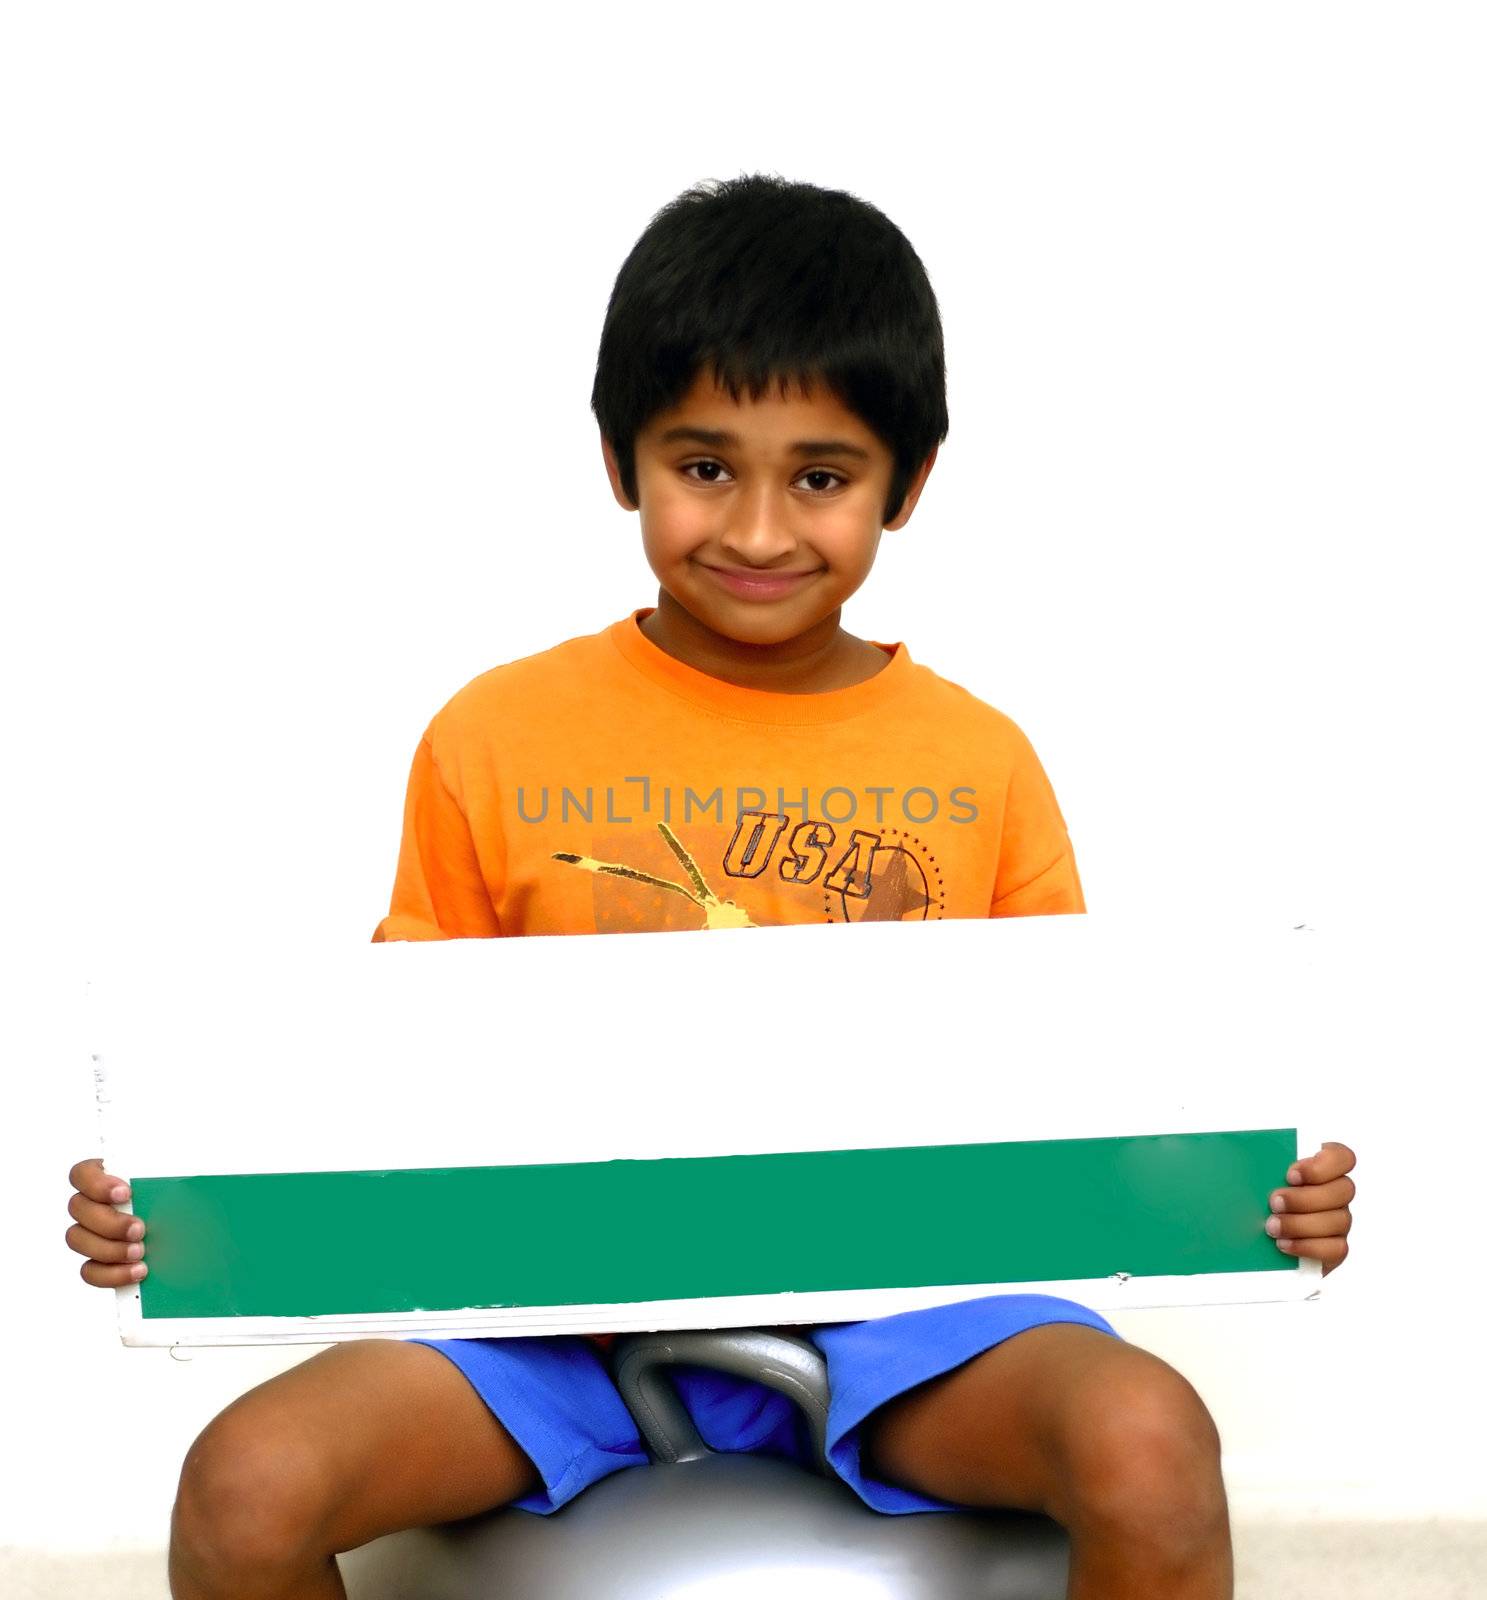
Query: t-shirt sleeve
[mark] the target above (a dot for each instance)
(1036, 872)
(440, 891)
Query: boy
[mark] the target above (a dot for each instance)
(770, 397)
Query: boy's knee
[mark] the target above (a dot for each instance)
(1141, 1456)
(253, 1494)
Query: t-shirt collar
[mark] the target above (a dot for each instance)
(757, 705)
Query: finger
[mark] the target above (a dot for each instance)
(1330, 1252)
(1315, 1196)
(90, 1179)
(1330, 1162)
(104, 1220)
(1318, 1226)
(102, 1277)
(95, 1248)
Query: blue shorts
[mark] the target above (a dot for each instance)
(555, 1397)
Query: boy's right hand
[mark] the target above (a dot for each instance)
(112, 1240)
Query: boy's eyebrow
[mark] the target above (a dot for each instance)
(720, 437)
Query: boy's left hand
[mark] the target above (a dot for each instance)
(1311, 1215)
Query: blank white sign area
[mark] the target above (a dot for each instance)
(646, 1046)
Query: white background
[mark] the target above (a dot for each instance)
(300, 314)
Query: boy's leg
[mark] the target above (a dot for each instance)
(1102, 1436)
(365, 1438)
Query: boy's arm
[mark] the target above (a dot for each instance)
(1036, 874)
(440, 891)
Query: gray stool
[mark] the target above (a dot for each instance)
(707, 1525)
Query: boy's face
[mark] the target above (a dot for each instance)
(809, 519)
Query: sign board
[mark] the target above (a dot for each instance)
(703, 1129)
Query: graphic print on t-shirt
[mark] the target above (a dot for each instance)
(717, 913)
(800, 873)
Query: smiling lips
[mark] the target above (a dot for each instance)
(751, 584)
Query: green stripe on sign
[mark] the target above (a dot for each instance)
(606, 1232)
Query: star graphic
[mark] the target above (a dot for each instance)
(897, 894)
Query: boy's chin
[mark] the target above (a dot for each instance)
(753, 621)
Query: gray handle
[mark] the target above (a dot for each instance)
(785, 1362)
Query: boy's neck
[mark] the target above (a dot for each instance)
(823, 658)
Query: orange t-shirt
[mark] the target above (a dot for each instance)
(603, 786)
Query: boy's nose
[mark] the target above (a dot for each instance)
(758, 528)
(763, 553)
(763, 541)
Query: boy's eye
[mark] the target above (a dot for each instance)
(811, 472)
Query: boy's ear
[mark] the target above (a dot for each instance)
(612, 467)
(911, 494)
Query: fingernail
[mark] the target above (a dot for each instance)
(1272, 1227)
(136, 1230)
(1285, 1244)
(134, 1252)
(1278, 1201)
(138, 1270)
(1294, 1175)
(119, 1192)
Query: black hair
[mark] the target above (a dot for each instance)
(761, 279)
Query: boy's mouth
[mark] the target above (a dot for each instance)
(751, 584)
